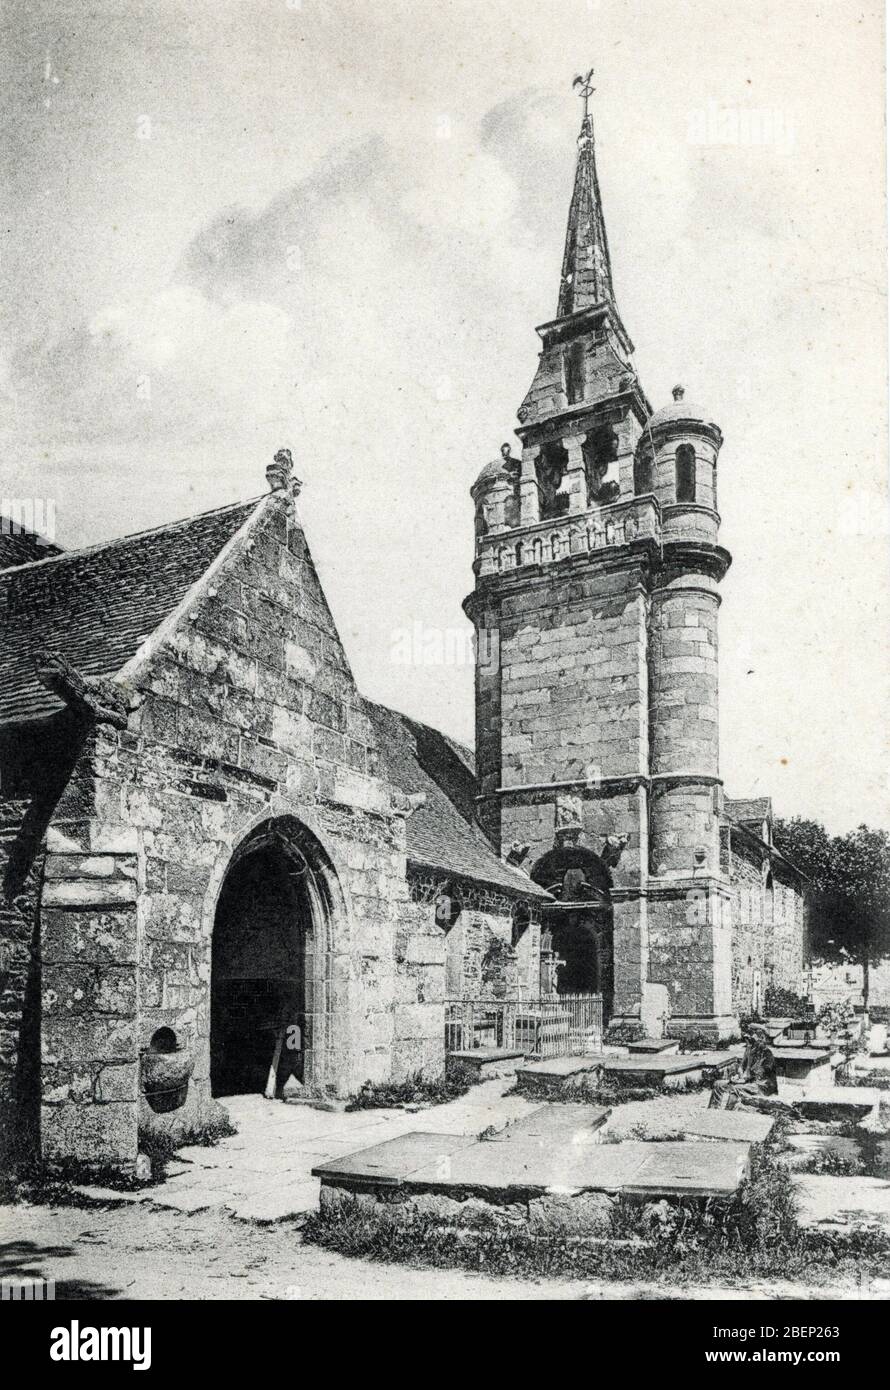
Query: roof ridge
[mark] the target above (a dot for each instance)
(132, 536)
(403, 714)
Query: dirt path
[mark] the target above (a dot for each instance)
(133, 1252)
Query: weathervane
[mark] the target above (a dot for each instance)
(586, 88)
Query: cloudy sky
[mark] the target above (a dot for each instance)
(231, 225)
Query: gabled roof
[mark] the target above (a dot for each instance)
(96, 606)
(746, 817)
(752, 808)
(19, 547)
(443, 834)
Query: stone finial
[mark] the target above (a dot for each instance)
(512, 465)
(678, 393)
(280, 473)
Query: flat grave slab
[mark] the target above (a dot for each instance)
(662, 1065)
(558, 1067)
(837, 1102)
(558, 1123)
(691, 1169)
(488, 1054)
(391, 1161)
(666, 1046)
(743, 1125)
(802, 1054)
(538, 1163)
(530, 1165)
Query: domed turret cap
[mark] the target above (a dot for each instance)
(498, 470)
(682, 413)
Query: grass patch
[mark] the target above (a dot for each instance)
(56, 1186)
(416, 1090)
(755, 1235)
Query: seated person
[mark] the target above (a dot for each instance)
(757, 1077)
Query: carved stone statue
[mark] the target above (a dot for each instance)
(613, 848)
(568, 819)
(280, 473)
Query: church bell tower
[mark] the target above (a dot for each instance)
(596, 598)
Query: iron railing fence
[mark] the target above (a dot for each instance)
(564, 1025)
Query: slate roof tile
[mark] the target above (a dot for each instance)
(96, 606)
(442, 834)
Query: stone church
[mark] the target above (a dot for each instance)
(217, 857)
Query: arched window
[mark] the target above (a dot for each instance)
(685, 472)
(642, 472)
(574, 371)
(551, 468)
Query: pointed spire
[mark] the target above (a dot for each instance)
(586, 268)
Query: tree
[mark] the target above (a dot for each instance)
(849, 889)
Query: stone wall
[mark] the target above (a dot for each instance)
(19, 980)
(248, 713)
(690, 946)
(34, 767)
(573, 676)
(768, 940)
(481, 955)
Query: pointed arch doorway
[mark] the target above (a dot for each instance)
(270, 946)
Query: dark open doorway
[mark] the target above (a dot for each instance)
(582, 944)
(258, 977)
(578, 928)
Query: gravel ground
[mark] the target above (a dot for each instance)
(129, 1252)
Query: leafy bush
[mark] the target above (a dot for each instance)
(784, 1003)
(831, 1163)
(836, 1016)
(621, 1034)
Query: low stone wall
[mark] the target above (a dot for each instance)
(576, 1214)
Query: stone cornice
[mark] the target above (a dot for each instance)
(604, 786)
